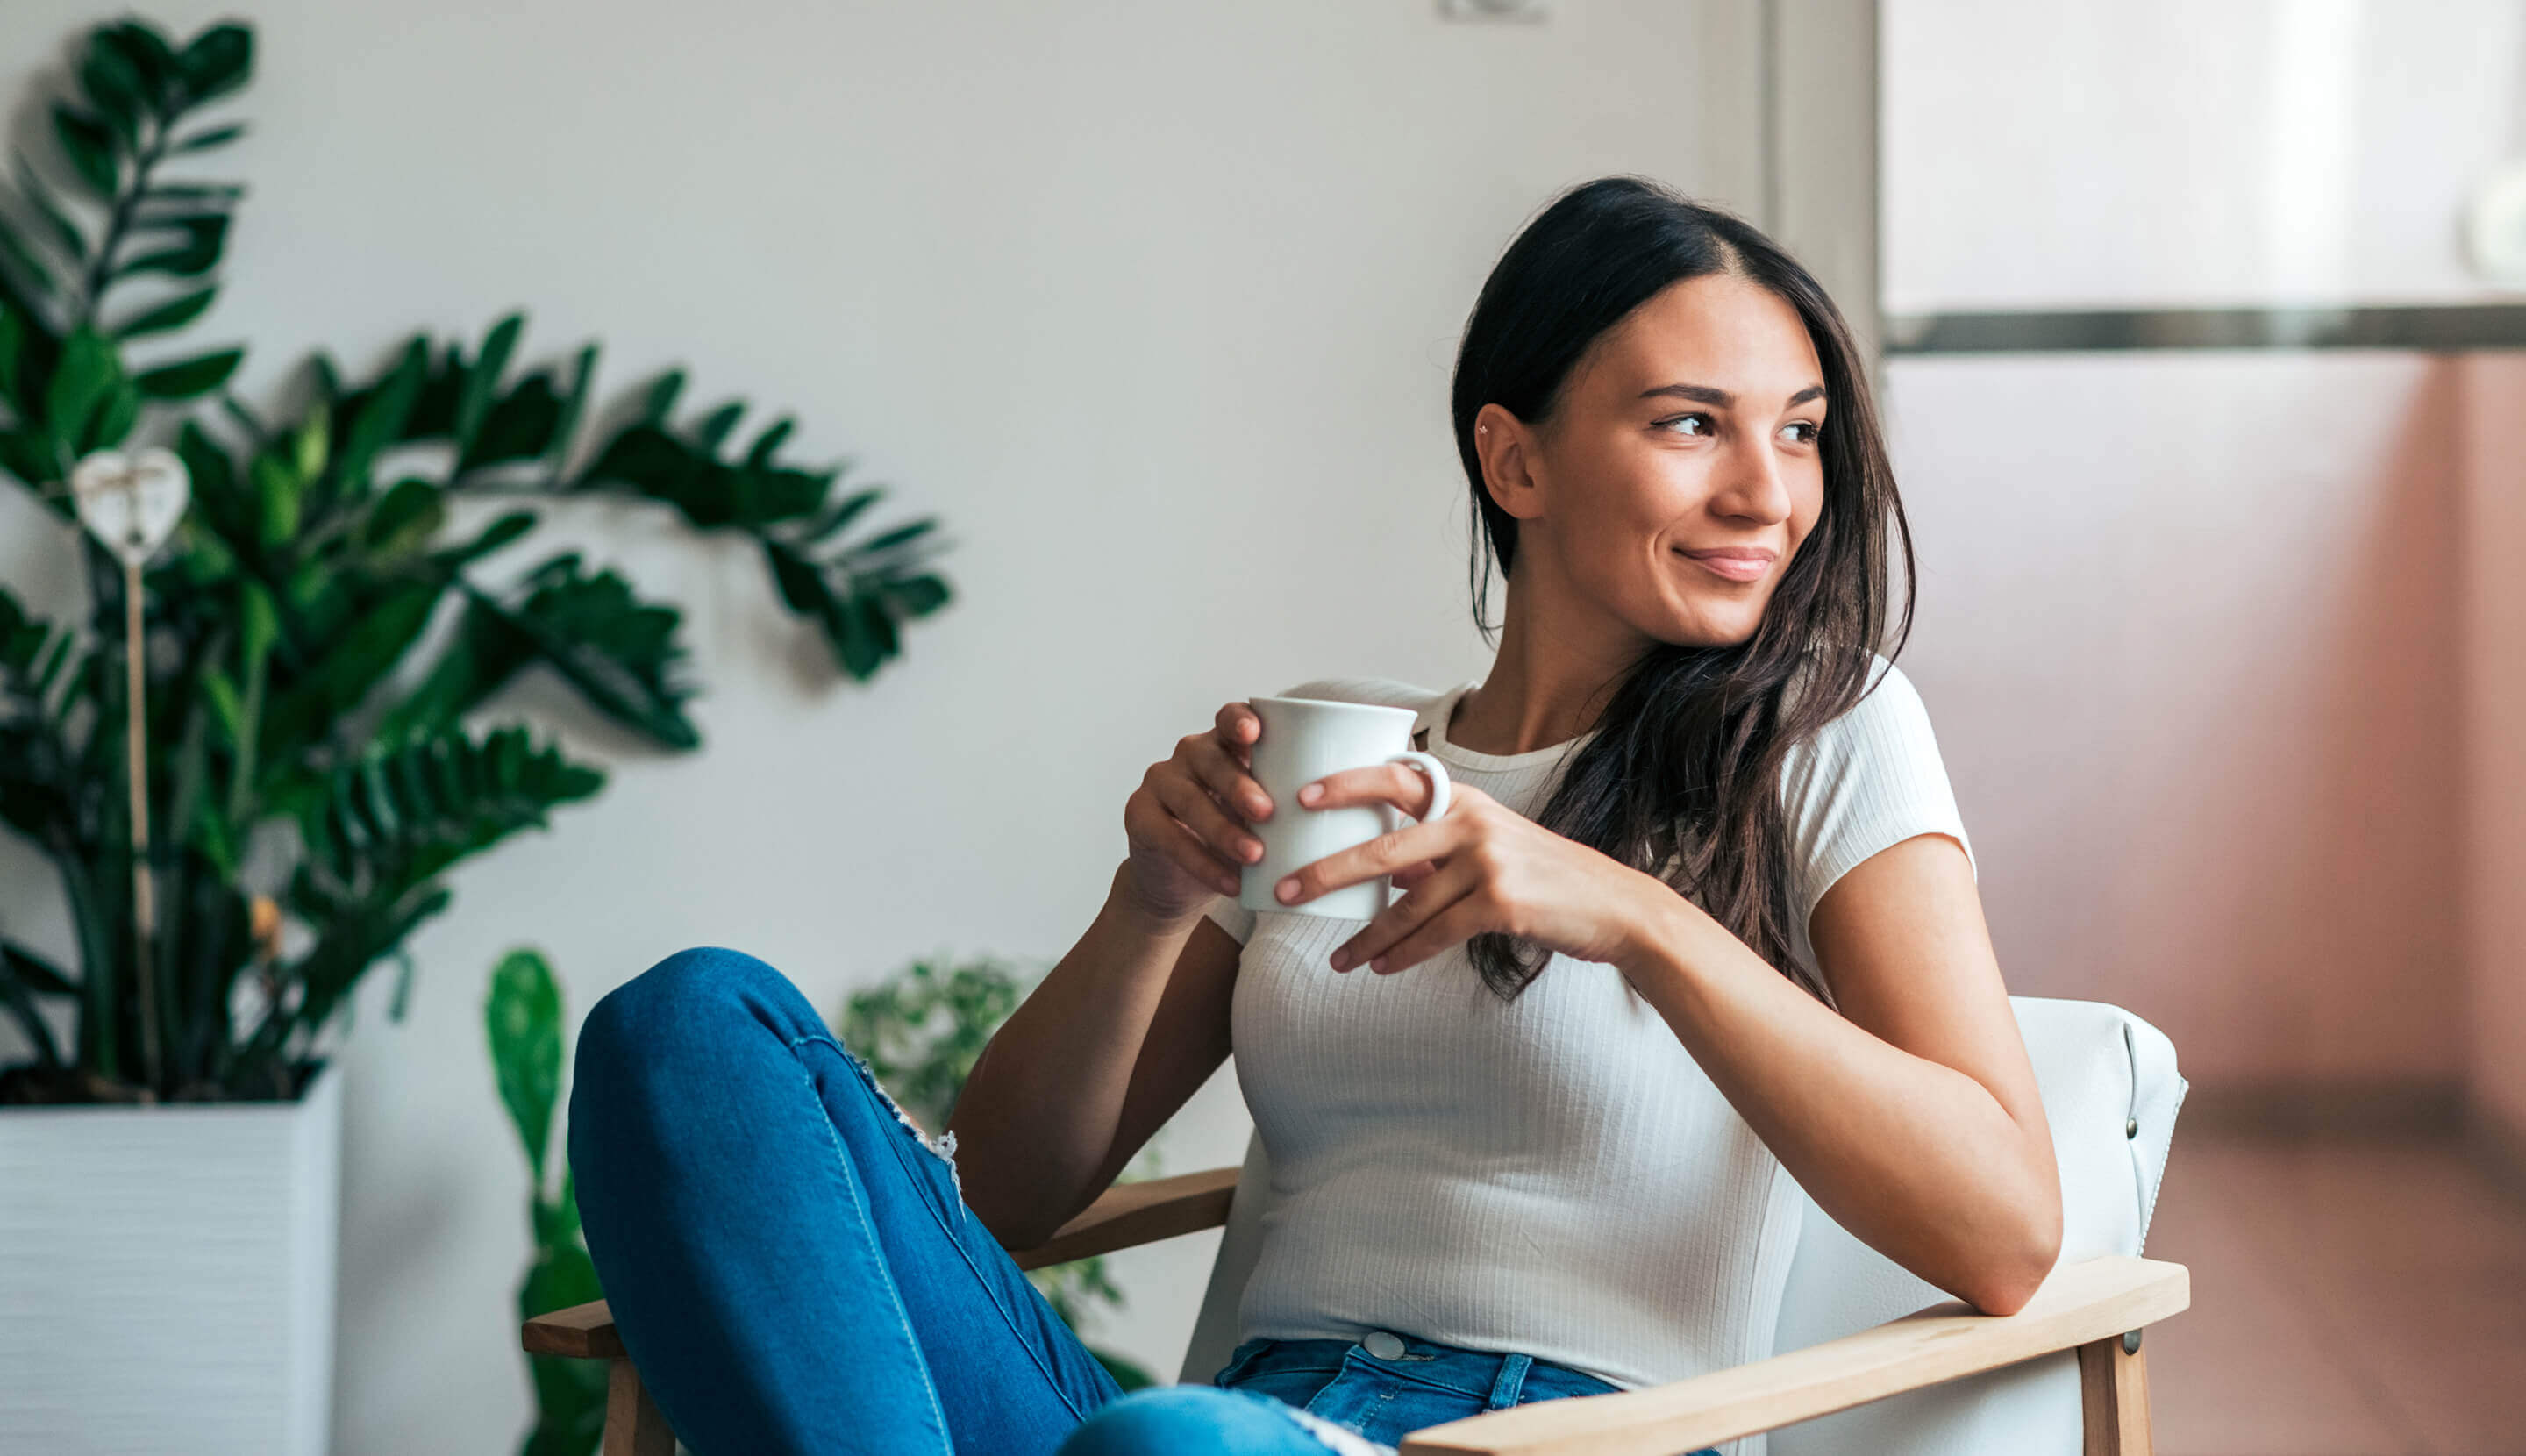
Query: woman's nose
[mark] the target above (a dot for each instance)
(1750, 485)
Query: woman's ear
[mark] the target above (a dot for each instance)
(1506, 447)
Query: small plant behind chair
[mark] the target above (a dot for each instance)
(522, 1016)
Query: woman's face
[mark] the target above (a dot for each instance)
(1680, 469)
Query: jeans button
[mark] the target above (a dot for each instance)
(1382, 1346)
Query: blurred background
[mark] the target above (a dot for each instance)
(2204, 393)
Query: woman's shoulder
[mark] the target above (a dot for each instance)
(1869, 777)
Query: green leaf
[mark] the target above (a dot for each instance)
(14, 1000)
(917, 596)
(661, 400)
(190, 379)
(25, 277)
(801, 585)
(170, 316)
(574, 408)
(89, 144)
(523, 1014)
(899, 536)
(356, 662)
(38, 975)
(32, 457)
(405, 520)
(769, 443)
(114, 88)
(205, 234)
(140, 47)
(717, 425)
(521, 425)
(11, 337)
(483, 380)
(86, 374)
(113, 418)
(277, 490)
(378, 416)
(620, 652)
(40, 194)
(219, 61)
(492, 537)
(842, 515)
(203, 142)
(228, 707)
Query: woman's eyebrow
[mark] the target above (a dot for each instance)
(1704, 394)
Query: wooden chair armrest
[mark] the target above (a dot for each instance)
(582, 1332)
(2079, 1304)
(1125, 1215)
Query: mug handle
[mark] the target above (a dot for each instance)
(1434, 771)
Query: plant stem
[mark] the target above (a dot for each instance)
(117, 223)
(144, 908)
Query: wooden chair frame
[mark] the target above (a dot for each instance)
(2097, 1308)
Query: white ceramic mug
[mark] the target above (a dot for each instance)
(1305, 740)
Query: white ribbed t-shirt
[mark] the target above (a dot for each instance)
(1553, 1174)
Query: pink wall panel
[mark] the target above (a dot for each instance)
(2188, 629)
(2494, 647)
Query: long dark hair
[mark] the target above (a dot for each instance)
(1683, 778)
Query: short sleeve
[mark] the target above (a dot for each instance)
(1868, 780)
(1235, 919)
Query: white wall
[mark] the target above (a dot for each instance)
(2161, 153)
(1153, 302)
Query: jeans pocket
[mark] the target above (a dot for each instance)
(1238, 1360)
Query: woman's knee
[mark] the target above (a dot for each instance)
(1191, 1418)
(686, 1002)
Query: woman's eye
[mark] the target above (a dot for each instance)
(1691, 425)
(1800, 432)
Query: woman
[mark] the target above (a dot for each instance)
(1702, 920)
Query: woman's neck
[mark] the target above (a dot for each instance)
(1546, 685)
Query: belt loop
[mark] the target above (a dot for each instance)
(1512, 1382)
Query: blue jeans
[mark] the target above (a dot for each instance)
(794, 1271)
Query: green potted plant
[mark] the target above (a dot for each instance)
(252, 759)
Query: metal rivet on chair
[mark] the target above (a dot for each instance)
(2131, 1129)
(2131, 1341)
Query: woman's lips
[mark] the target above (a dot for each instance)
(1732, 563)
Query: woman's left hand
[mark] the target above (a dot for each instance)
(1480, 867)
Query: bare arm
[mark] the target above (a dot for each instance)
(1912, 1117)
(1131, 1023)
(1135, 1019)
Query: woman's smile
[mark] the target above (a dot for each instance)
(1732, 563)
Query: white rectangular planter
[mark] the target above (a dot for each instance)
(167, 1277)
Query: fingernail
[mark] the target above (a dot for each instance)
(1287, 889)
(1342, 959)
(1262, 806)
(1251, 850)
(1311, 793)
(1378, 965)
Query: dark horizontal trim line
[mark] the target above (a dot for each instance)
(2430, 327)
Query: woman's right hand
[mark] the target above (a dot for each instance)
(1187, 821)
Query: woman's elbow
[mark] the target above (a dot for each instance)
(2014, 1269)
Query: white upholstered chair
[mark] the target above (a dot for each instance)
(1867, 1358)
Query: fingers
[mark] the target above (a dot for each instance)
(1185, 798)
(1221, 758)
(1382, 942)
(1393, 784)
(1238, 727)
(1147, 818)
(1384, 855)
